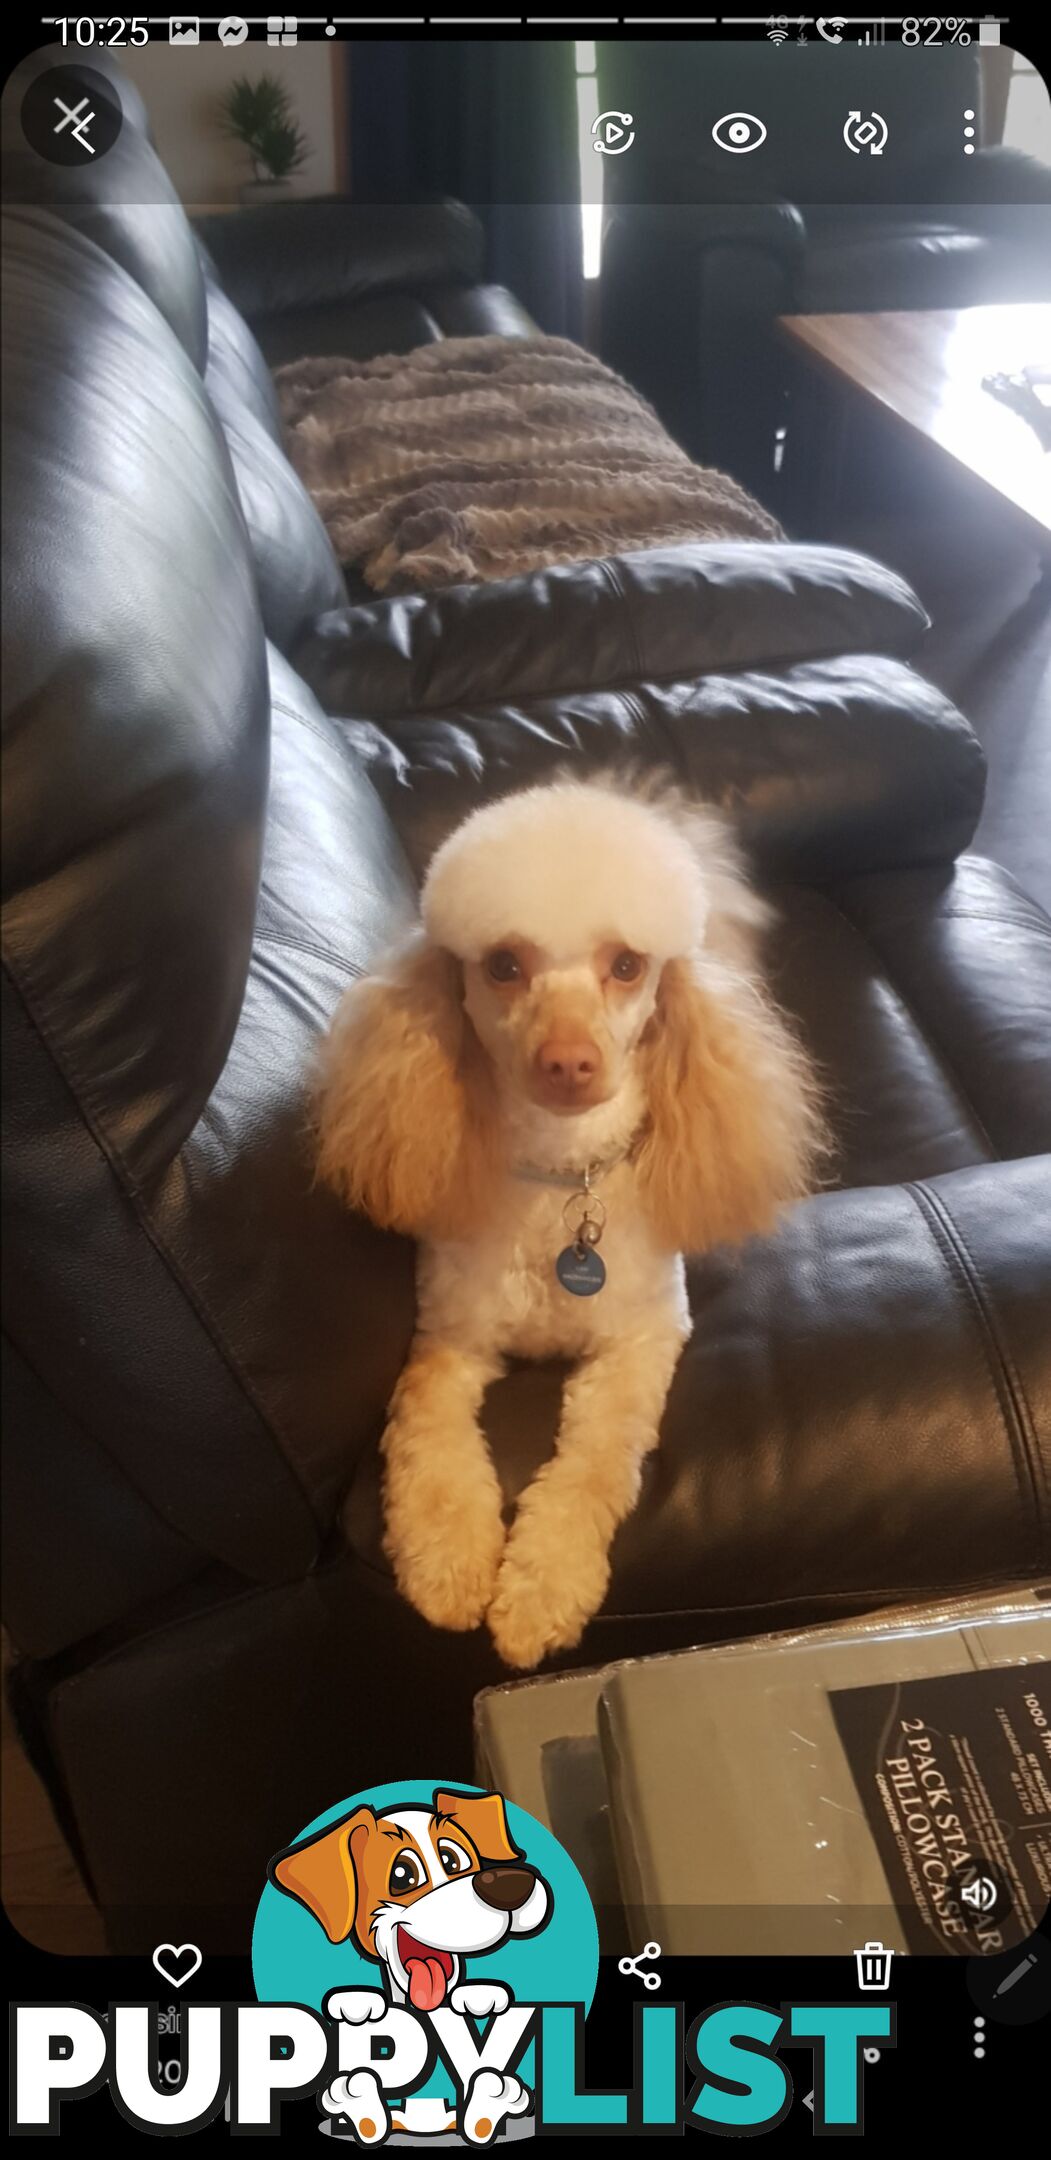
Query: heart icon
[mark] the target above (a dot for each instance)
(177, 1966)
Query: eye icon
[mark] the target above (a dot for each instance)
(739, 131)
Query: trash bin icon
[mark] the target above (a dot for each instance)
(873, 1963)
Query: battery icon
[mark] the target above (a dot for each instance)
(988, 33)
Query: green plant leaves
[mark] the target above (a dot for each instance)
(259, 113)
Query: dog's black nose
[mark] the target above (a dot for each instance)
(505, 1888)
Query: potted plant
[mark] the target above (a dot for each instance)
(259, 113)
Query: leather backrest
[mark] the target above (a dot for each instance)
(343, 277)
(126, 203)
(236, 376)
(296, 567)
(181, 913)
(273, 260)
(123, 200)
(141, 766)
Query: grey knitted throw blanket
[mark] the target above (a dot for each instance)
(477, 458)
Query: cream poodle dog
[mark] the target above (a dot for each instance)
(567, 1078)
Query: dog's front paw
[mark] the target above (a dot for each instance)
(447, 1572)
(480, 1999)
(356, 2006)
(545, 1595)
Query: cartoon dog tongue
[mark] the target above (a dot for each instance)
(428, 1972)
(426, 1983)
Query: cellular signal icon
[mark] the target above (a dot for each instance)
(875, 36)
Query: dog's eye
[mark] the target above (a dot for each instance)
(627, 967)
(503, 966)
(407, 1873)
(453, 1858)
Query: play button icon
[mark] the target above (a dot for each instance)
(613, 132)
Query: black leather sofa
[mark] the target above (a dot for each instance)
(220, 781)
(705, 247)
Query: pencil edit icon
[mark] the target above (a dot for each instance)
(1015, 1987)
(1017, 1973)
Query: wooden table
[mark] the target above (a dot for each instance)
(925, 368)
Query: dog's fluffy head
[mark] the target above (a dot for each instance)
(582, 944)
(571, 866)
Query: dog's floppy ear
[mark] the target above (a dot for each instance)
(404, 1099)
(483, 1817)
(734, 1130)
(322, 1874)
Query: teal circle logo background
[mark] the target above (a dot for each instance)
(293, 1960)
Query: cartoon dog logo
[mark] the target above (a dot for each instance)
(418, 1890)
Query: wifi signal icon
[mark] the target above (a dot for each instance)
(778, 30)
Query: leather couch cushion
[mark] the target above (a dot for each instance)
(237, 376)
(296, 569)
(227, 1329)
(66, 1495)
(315, 1306)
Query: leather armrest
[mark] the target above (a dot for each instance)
(1003, 174)
(970, 953)
(799, 1459)
(1001, 194)
(290, 256)
(998, 175)
(480, 311)
(659, 613)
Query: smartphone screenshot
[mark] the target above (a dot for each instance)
(526, 682)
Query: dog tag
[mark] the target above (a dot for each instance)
(580, 1270)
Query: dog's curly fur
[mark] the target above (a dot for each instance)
(436, 1117)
